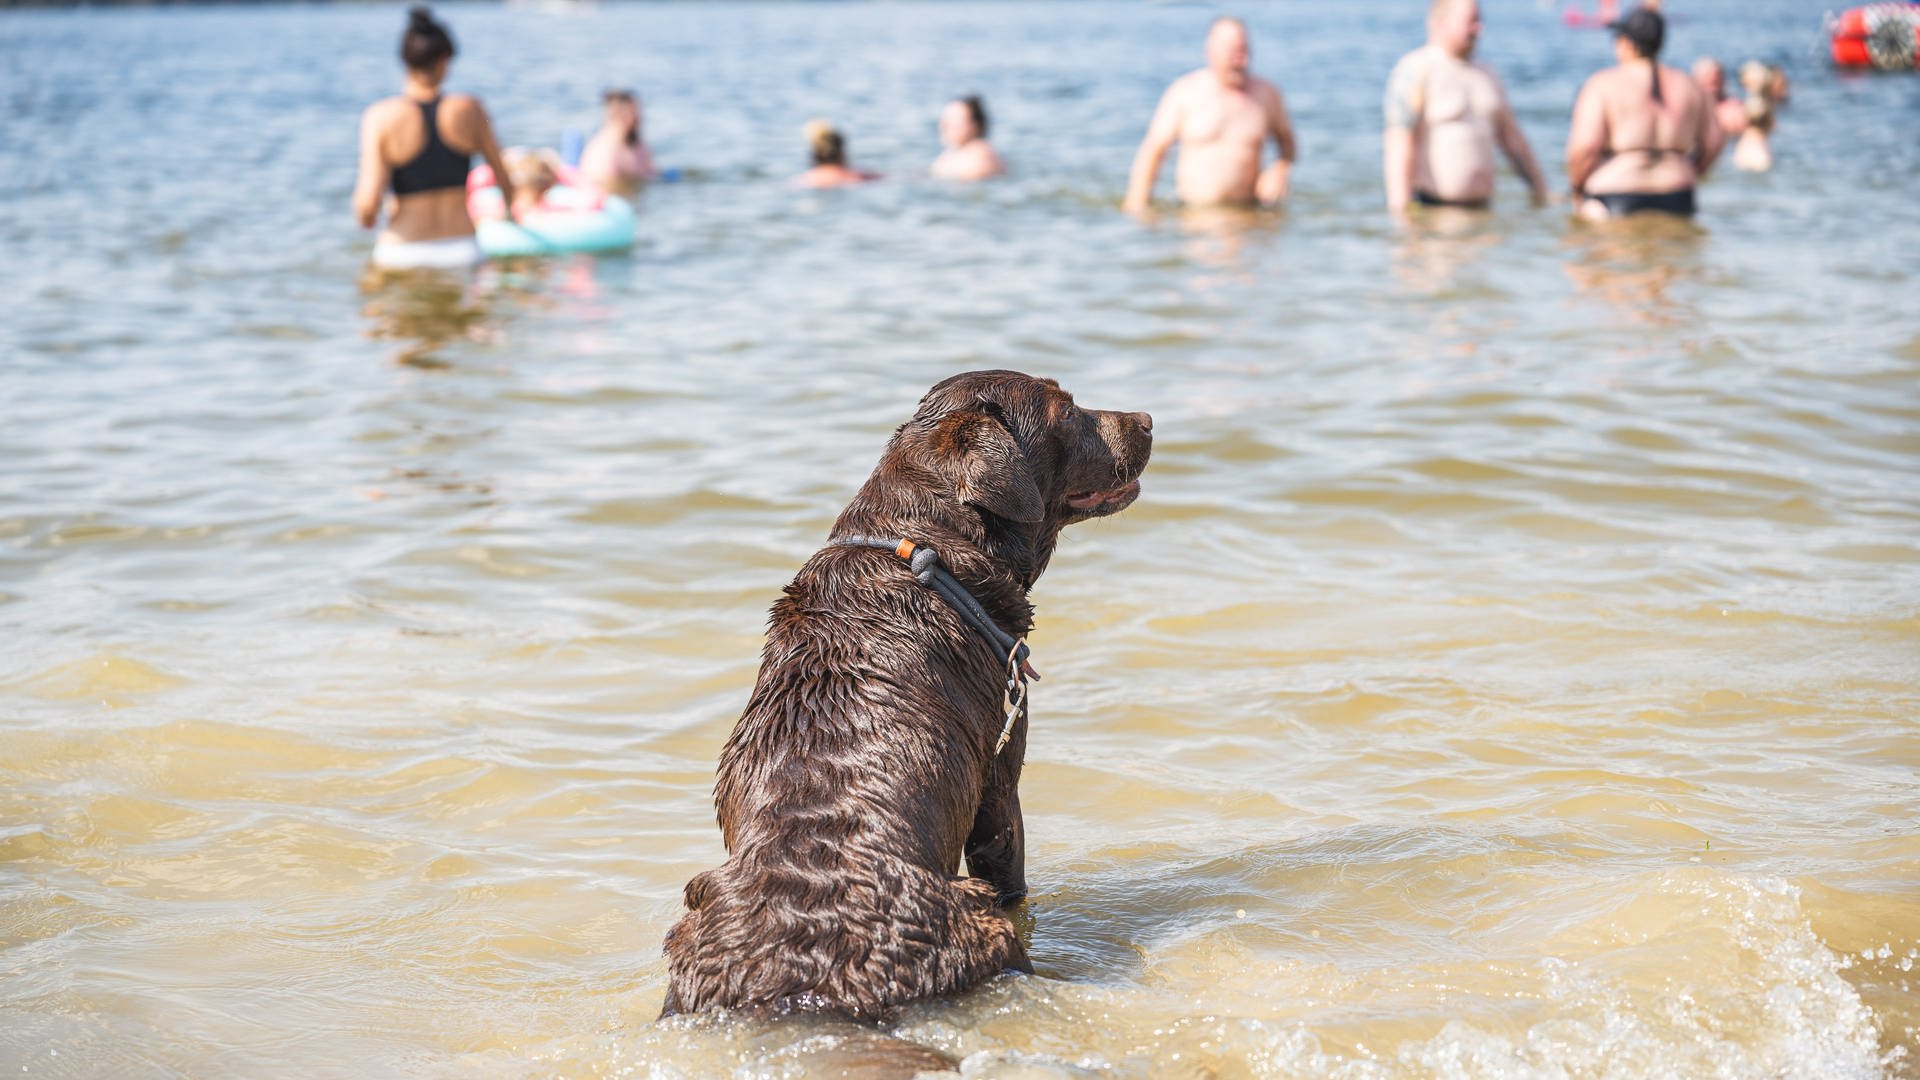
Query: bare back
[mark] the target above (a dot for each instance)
(1645, 146)
(393, 133)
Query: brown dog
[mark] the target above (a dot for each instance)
(870, 756)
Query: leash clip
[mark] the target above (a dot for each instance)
(1018, 672)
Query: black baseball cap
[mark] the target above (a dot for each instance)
(1642, 26)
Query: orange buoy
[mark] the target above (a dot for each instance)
(1884, 36)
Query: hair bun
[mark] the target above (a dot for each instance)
(421, 18)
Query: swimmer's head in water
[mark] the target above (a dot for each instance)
(426, 42)
(623, 110)
(825, 145)
(530, 172)
(963, 120)
(1454, 25)
(1710, 77)
(1228, 50)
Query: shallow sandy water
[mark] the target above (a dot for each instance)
(1510, 669)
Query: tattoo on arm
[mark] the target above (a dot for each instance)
(1403, 105)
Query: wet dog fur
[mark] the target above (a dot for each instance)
(863, 768)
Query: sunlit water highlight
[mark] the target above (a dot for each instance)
(1510, 669)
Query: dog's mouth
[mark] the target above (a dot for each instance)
(1107, 501)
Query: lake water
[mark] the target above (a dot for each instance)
(1511, 669)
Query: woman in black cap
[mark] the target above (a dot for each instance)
(1643, 134)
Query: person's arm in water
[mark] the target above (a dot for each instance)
(1513, 142)
(1403, 108)
(371, 187)
(1587, 138)
(479, 128)
(1277, 180)
(1161, 134)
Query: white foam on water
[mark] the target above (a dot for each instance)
(1688, 973)
(1704, 975)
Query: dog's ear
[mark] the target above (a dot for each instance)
(989, 470)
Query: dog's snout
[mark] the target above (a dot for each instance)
(1145, 420)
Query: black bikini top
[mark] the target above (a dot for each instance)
(437, 165)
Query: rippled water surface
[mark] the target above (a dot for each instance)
(1511, 669)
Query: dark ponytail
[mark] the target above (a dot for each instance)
(426, 42)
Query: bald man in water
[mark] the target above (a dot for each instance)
(1712, 80)
(1446, 115)
(1222, 116)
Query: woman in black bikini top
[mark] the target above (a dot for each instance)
(437, 165)
(1613, 181)
(418, 146)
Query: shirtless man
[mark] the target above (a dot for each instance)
(1712, 80)
(616, 159)
(1221, 116)
(1446, 113)
(1643, 134)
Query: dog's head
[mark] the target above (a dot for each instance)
(1005, 460)
(1018, 448)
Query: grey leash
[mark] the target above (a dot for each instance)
(930, 571)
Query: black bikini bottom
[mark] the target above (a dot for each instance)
(1428, 198)
(1621, 204)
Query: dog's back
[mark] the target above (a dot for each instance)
(845, 794)
(871, 757)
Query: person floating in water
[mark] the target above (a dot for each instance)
(828, 151)
(1221, 116)
(1445, 115)
(421, 144)
(1642, 135)
(616, 160)
(963, 131)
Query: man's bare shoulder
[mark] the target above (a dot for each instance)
(1484, 72)
(1191, 83)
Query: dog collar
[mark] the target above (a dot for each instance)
(925, 563)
